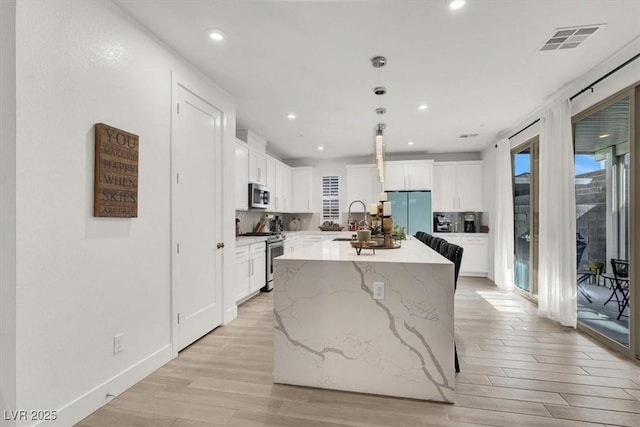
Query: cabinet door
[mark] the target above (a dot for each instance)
(243, 272)
(469, 187)
(257, 167)
(277, 196)
(419, 175)
(474, 257)
(288, 190)
(242, 177)
(302, 189)
(443, 194)
(395, 176)
(362, 184)
(271, 181)
(313, 239)
(258, 271)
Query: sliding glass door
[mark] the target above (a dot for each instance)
(525, 204)
(603, 191)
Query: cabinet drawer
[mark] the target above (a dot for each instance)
(257, 248)
(242, 251)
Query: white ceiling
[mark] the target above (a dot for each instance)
(478, 68)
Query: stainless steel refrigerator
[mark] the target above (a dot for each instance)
(411, 210)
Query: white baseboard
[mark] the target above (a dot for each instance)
(473, 274)
(230, 315)
(94, 399)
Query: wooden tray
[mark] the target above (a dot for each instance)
(370, 244)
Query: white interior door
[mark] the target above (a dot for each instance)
(196, 217)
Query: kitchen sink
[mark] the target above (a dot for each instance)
(342, 239)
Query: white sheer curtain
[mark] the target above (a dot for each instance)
(557, 234)
(503, 260)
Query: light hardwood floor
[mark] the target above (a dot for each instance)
(517, 370)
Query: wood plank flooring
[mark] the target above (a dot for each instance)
(517, 370)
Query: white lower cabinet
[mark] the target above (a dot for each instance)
(258, 263)
(250, 269)
(243, 272)
(311, 239)
(292, 243)
(474, 257)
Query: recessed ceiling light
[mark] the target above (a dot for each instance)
(606, 135)
(422, 107)
(410, 143)
(291, 116)
(216, 35)
(456, 4)
(320, 147)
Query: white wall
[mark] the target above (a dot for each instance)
(82, 280)
(623, 78)
(7, 209)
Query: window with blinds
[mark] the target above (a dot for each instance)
(330, 198)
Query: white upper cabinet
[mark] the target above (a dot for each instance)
(408, 175)
(271, 181)
(257, 167)
(242, 176)
(362, 184)
(457, 186)
(257, 156)
(288, 189)
(302, 186)
(283, 199)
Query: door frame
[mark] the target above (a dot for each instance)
(533, 144)
(633, 92)
(178, 83)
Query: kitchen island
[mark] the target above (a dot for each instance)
(330, 331)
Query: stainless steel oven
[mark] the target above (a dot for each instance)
(275, 248)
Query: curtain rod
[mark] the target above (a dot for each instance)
(590, 87)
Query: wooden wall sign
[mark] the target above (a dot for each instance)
(116, 173)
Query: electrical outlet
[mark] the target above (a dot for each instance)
(378, 290)
(118, 343)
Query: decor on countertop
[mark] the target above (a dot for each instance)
(398, 232)
(115, 191)
(364, 235)
(293, 224)
(383, 232)
(330, 226)
(359, 245)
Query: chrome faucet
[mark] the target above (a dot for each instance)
(364, 210)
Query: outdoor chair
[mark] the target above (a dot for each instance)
(620, 284)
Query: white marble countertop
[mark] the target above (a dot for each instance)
(314, 232)
(249, 240)
(412, 251)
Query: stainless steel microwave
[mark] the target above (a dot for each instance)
(258, 196)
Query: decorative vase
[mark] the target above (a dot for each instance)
(293, 225)
(364, 235)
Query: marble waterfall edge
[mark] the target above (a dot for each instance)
(331, 333)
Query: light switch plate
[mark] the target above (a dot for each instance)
(378, 290)
(118, 343)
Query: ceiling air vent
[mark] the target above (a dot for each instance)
(569, 37)
(468, 135)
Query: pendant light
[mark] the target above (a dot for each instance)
(379, 147)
